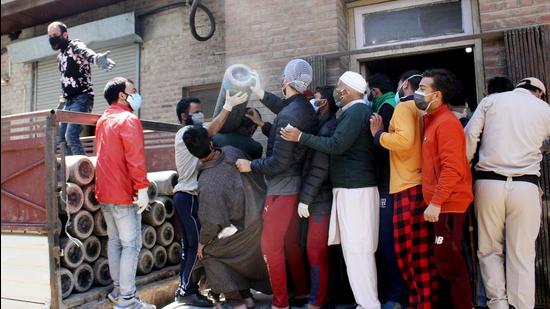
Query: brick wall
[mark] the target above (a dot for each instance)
(171, 59)
(267, 34)
(503, 15)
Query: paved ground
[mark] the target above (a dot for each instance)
(262, 302)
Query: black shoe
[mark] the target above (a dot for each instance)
(195, 299)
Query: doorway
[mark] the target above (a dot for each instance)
(460, 61)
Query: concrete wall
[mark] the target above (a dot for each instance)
(503, 15)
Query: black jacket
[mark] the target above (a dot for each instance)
(285, 158)
(316, 187)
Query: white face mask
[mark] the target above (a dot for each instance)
(198, 118)
(315, 107)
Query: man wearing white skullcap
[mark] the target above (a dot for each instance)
(514, 125)
(355, 210)
(282, 168)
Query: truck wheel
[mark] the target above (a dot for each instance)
(148, 236)
(174, 253)
(92, 249)
(83, 277)
(145, 262)
(156, 214)
(73, 255)
(165, 234)
(67, 282)
(102, 276)
(100, 226)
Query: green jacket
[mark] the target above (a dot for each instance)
(351, 149)
(388, 98)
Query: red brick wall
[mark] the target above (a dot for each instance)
(507, 14)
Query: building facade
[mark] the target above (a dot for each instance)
(152, 44)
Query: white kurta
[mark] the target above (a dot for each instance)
(354, 223)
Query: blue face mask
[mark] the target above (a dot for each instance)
(134, 100)
(397, 98)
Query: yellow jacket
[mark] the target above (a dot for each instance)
(404, 142)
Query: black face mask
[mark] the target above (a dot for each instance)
(58, 42)
(189, 120)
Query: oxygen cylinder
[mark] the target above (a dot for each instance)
(237, 77)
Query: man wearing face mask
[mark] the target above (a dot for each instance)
(513, 126)
(121, 174)
(446, 182)
(76, 80)
(189, 113)
(355, 208)
(410, 230)
(282, 168)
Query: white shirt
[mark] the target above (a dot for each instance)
(513, 126)
(187, 166)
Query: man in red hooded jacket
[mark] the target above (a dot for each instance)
(121, 174)
(446, 182)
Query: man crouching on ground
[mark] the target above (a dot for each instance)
(230, 216)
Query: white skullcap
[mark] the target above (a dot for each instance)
(354, 81)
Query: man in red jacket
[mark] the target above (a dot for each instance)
(446, 181)
(121, 174)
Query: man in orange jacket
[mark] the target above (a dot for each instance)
(446, 181)
(121, 174)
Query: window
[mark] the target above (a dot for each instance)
(207, 94)
(398, 21)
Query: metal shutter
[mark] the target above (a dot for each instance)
(48, 86)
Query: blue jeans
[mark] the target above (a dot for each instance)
(70, 132)
(186, 206)
(124, 231)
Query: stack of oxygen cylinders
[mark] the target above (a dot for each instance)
(83, 238)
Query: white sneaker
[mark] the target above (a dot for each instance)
(136, 303)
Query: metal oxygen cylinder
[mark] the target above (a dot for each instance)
(237, 78)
